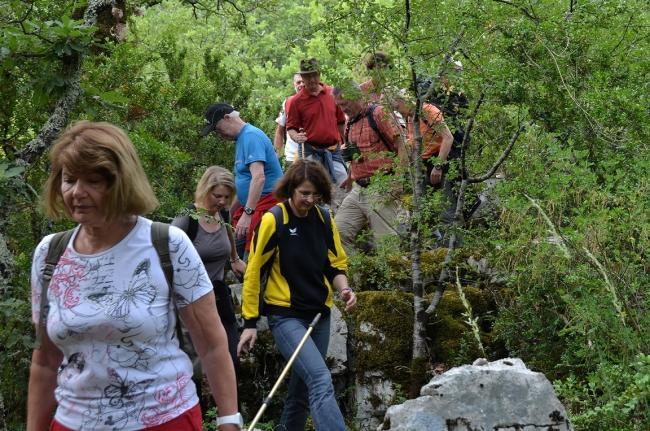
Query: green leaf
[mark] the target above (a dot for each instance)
(15, 171)
(114, 97)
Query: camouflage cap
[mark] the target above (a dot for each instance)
(309, 66)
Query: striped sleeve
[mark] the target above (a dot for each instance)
(338, 260)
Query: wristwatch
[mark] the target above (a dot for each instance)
(235, 419)
(438, 166)
(249, 210)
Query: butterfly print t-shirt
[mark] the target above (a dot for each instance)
(111, 316)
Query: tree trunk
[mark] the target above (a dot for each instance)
(34, 150)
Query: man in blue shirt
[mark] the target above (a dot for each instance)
(257, 167)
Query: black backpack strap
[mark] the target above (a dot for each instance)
(193, 224)
(278, 215)
(373, 124)
(55, 250)
(225, 215)
(327, 221)
(160, 241)
(265, 272)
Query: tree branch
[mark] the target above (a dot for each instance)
(468, 130)
(501, 159)
(31, 33)
(627, 28)
(525, 11)
(459, 219)
(452, 245)
(443, 66)
(24, 18)
(67, 102)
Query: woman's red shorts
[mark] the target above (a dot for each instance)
(188, 421)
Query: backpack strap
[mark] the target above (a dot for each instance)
(55, 250)
(327, 221)
(160, 241)
(265, 271)
(370, 115)
(278, 215)
(193, 224)
(225, 215)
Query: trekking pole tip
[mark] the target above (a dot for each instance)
(315, 321)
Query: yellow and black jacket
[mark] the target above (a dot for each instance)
(304, 256)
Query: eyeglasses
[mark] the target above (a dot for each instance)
(315, 196)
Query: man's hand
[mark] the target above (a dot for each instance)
(242, 226)
(301, 137)
(347, 184)
(246, 340)
(436, 176)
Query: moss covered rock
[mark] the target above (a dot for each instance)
(382, 327)
(451, 338)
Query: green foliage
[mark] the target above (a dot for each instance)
(7, 171)
(573, 298)
(615, 397)
(16, 339)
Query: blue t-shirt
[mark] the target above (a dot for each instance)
(252, 145)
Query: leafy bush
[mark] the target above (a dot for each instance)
(616, 397)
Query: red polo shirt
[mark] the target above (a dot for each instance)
(318, 115)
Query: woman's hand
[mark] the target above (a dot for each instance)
(348, 296)
(246, 340)
(239, 267)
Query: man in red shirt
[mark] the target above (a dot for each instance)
(316, 123)
(374, 131)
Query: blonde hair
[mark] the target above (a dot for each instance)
(212, 177)
(88, 147)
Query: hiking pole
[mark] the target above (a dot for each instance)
(301, 150)
(284, 373)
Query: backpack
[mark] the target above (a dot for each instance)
(451, 105)
(373, 125)
(160, 240)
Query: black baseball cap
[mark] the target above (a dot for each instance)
(213, 115)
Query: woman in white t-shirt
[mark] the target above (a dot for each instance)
(109, 359)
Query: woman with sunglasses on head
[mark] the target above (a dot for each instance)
(299, 242)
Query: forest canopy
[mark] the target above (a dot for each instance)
(568, 240)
